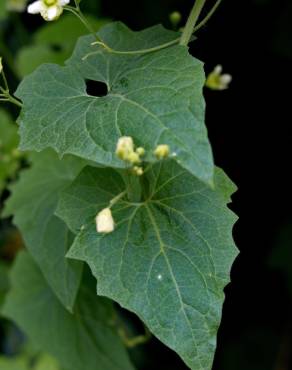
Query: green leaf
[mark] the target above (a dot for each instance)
(33, 203)
(168, 259)
(14, 363)
(81, 341)
(46, 362)
(156, 98)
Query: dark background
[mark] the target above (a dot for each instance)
(249, 128)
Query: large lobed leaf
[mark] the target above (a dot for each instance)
(83, 340)
(156, 98)
(32, 203)
(168, 259)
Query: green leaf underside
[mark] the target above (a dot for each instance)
(81, 341)
(33, 203)
(156, 98)
(168, 259)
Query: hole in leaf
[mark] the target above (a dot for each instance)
(96, 88)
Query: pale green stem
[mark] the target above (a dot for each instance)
(133, 52)
(208, 16)
(12, 100)
(5, 81)
(5, 96)
(117, 198)
(77, 12)
(191, 22)
(133, 342)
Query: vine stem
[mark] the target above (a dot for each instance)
(5, 82)
(117, 198)
(77, 12)
(191, 22)
(208, 16)
(5, 94)
(135, 341)
(133, 52)
(11, 99)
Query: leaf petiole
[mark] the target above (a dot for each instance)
(78, 13)
(117, 198)
(191, 22)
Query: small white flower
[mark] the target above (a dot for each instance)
(104, 221)
(50, 10)
(218, 81)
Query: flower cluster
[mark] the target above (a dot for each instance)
(126, 151)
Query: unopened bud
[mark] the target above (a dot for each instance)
(1, 65)
(175, 18)
(140, 151)
(104, 221)
(138, 170)
(134, 158)
(162, 151)
(125, 147)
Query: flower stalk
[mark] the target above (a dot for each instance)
(191, 22)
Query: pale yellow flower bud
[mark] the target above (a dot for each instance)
(133, 158)
(125, 147)
(104, 221)
(140, 151)
(1, 65)
(138, 170)
(162, 151)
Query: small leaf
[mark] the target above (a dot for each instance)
(81, 341)
(33, 203)
(156, 98)
(169, 257)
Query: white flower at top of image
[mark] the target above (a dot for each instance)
(218, 81)
(50, 10)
